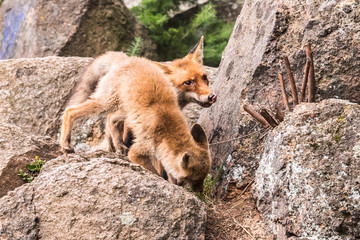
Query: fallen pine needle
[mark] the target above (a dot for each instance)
(252, 237)
(246, 188)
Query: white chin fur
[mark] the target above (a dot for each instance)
(193, 97)
(204, 99)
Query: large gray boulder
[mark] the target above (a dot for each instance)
(307, 183)
(264, 32)
(87, 28)
(34, 93)
(228, 9)
(93, 197)
(17, 149)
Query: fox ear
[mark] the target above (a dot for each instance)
(185, 161)
(199, 135)
(166, 68)
(196, 52)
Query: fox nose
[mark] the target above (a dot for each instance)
(212, 97)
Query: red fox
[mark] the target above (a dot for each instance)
(138, 92)
(187, 75)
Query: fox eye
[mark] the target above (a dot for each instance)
(205, 78)
(189, 83)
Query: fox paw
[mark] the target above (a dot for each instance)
(67, 148)
(123, 151)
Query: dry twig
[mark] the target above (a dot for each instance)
(252, 237)
(237, 138)
(247, 186)
(291, 80)
(242, 193)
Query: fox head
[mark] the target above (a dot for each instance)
(194, 163)
(189, 78)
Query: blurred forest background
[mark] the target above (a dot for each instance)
(174, 36)
(164, 29)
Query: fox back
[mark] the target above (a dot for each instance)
(91, 75)
(187, 75)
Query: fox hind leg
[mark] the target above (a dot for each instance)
(72, 113)
(114, 131)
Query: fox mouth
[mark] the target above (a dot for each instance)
(205, 101)
(205, 104)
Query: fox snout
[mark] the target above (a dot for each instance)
(206, 100)
(197, 187)
(212, 98)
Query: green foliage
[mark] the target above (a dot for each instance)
(25, 176)
(135, 47)
(34, 170)
(340, 119)
(336, 135)
(337, 138)
(175, 39)
(209, 183)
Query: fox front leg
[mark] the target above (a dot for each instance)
(139, 156)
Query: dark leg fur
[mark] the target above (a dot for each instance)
(128, 138)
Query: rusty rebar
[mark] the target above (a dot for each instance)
(311, 81)
(305, 80)
(285, 99)
(291, 80)
(268, 117)
(256, 115)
